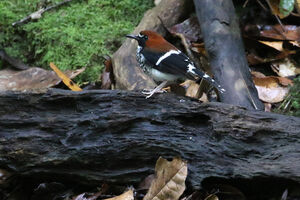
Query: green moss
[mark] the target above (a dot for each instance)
(295, 98)
(291, 104)
(73, 36)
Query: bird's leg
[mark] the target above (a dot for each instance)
(155, 90)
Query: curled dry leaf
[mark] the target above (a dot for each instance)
(67, 81)
(169, 183)
(125, 196)
(107, 77)
(272, 89)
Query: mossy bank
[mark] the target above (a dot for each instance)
(73, 36)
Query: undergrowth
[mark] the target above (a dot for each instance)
(73, 36)
(291, 104)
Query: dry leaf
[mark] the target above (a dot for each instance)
(204, 98)
(297, 6)
(146, 183)
(257, 74)
(290, 32)
(281, 8)
(80, 197)
(274, 44)
(32, 79)
(212, 197)
(189, 28)
(125, 196)
(199, 48)
(68, 82)
(169, 183)
(193, 90)
(295, 43)
(94, 196)
(272, 89)
(285, 68)
(107, 78)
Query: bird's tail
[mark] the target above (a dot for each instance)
(209, 79)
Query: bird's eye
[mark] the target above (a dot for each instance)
(146, 37)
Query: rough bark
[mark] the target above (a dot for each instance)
(223, 42)
(116, 136)
(126, 71)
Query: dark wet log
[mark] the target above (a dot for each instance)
(223, 42)
(126, 71)
(92, 137)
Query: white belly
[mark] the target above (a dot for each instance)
(159, 76)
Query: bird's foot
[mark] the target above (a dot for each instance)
(149, 93)
(158, 89)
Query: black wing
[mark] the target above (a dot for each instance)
(178, 64)
(175, 63)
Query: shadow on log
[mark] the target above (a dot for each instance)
(92, 137)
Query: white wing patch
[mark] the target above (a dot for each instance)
(167, 55)
(191, 68)
(205, 76)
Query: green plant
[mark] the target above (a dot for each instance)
(73, 36)
(291, 104)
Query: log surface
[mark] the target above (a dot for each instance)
(117, 136)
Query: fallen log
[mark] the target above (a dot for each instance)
(91, 137)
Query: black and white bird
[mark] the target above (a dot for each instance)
(164, 63)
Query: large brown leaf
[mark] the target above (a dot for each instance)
(169, 183)
(32, 79)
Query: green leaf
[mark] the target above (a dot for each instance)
(286, 7)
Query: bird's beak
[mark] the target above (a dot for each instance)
(132, 36)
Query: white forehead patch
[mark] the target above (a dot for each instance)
(167, 55)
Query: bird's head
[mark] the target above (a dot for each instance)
(152, 40)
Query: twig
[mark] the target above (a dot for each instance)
(262, 5)
(245, 4)
(279, 21)
(295, 14)
(38, 14)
